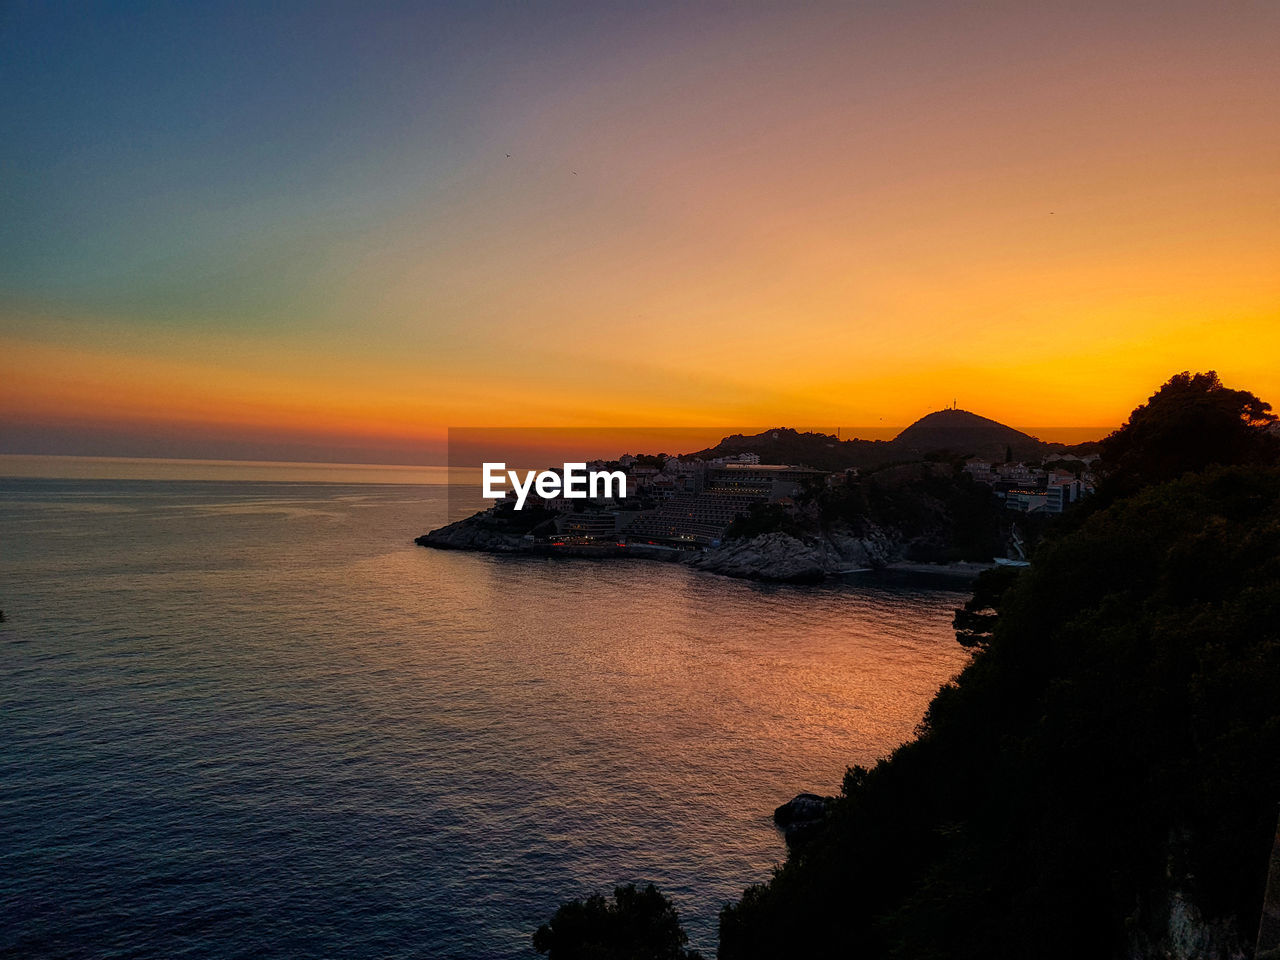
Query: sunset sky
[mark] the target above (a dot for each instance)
(293, 230)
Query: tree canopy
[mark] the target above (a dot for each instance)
(1191, 422)
(635, 925)
(1112, 746)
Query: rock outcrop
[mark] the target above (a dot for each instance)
(1187, 935)
(1170, 924)
(784, 558)
(471, 534)
(770, 556)
(799, 818)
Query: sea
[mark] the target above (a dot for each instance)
(250, 718)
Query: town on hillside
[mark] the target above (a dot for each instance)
(690, 502)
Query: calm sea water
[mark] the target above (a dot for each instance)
(254, 720)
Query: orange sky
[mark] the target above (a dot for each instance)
(836, 216)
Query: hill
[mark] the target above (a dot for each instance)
(822, 451)
(962, 432)
(945, 431)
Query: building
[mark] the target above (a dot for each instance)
(764, 481)
(587, 524)
(1025, 501)
(1056, 498)
(979, 469)
(700, 517)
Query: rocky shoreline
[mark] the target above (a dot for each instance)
(472, 533)
(770, 557)
(784, 558)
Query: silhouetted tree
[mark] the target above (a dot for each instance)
(1191, 422)
(1108, 754)
(635, 925)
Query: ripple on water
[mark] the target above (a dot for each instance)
(254, 719)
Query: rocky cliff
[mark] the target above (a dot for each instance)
(785, 558)
(471, 534)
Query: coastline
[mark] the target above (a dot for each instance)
(773, 557)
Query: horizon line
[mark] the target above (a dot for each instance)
(1101, 431)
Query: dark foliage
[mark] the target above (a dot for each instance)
(764, 518)
(939, 511)
(1192, 421)
(975, 622)
(1112, 743)
(1115, 737)
(634, 925)
(658, 460)
(1068, 463)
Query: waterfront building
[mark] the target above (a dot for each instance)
(596, 524)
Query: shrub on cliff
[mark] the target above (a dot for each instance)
(764, 518)
(1113, 740)
(634, 925)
